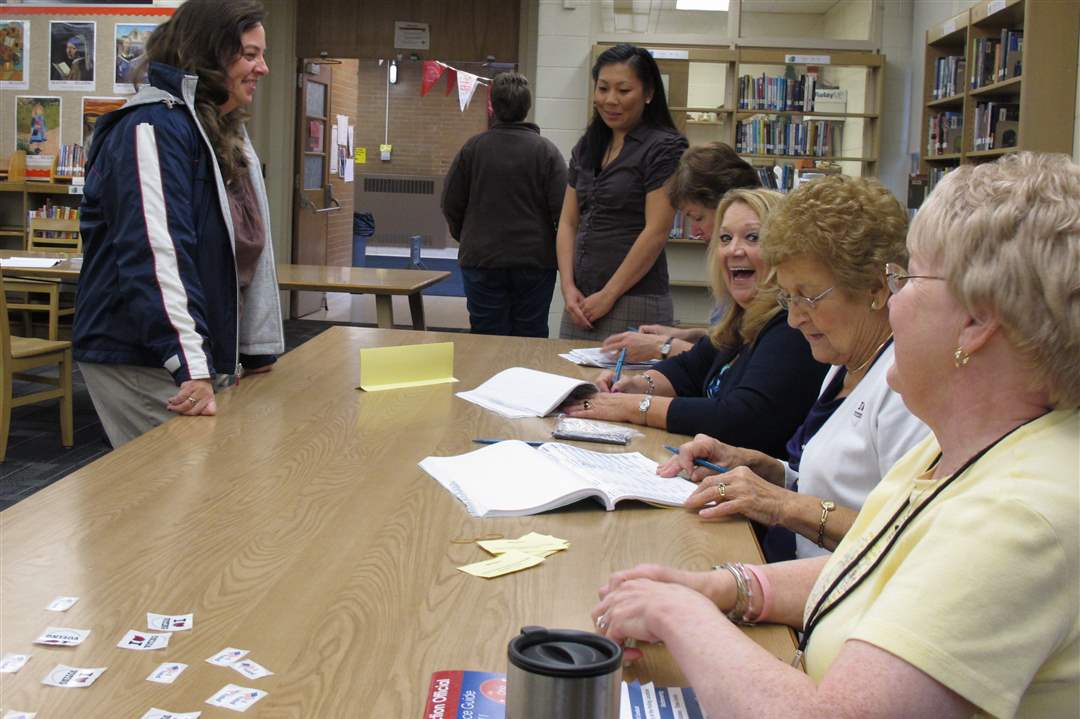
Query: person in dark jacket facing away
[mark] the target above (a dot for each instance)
(178, 277)
(502, 200)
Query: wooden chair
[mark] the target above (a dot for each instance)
(18, 354)
(51, 296)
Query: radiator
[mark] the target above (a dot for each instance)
(403, 206)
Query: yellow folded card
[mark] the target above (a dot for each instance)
(505, 563)
(406, 366)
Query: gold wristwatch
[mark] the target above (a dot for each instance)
(826, 507)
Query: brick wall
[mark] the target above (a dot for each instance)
(344, 92)
(426, 132)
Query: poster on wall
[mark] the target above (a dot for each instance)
(71, 55)
(129, 45)
(92, 109)
(14, 54)
(37, 125)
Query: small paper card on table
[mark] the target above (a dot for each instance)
(166, 673)
(11, 663)
(234, 697)
(383, 368)
(156, 713)
(79, 677)
(505, 563)
(541, 545)
(62, 636)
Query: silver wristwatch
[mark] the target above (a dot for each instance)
(643, 407)
(665, 348)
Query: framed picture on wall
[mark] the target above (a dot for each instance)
(37, 124)
(128, 46)
(92, 109)
(71, 55)
(14, 54)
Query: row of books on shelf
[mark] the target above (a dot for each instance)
(782, 136)
(996, 125)
(934, 177)
(948, 77)
(71, 160)
(49, 211)
(945, 133)
(997, 59)
(805, 93)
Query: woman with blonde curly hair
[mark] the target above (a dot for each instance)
(954, 593)
(752, 378)
(827, 243)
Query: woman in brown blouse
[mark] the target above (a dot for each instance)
(616, 214)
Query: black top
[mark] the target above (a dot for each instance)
(755, 398)
(611, 204)
(503, 196)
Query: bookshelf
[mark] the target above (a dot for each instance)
(1015, 87)
(18, 196)
(703, 89)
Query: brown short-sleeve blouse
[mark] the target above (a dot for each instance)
(611, 205)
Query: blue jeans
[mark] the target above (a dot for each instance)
(508, 301)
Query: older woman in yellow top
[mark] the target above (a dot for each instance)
(954, 592)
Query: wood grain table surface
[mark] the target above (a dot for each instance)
(296, 524)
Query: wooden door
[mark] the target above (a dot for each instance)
(313, 199)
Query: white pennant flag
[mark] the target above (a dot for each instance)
(466, 86)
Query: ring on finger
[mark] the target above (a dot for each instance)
(721, 490)
(191, 398)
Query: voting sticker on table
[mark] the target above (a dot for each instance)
(62, 604)
(167, 672)
(62, 637)
(11, 663)
(72, 677)
(227, 656)
(236, 698)
(16, 714)
(170, 622)
(155, 713)
(250, 669)
(144, 641)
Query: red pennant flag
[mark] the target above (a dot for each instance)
(451, 80)
(431, 74)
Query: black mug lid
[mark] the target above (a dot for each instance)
(564, 653)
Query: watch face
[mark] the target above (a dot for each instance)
(643, 406)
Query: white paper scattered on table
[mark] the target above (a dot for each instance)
(36, 263)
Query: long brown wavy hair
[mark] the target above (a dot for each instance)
(203, 38)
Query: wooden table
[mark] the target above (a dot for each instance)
(382, 283)
(297, 525)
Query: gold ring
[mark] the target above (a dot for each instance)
(721, 490)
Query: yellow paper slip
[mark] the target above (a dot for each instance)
(383, 368)
(512, 561)
(542, 545)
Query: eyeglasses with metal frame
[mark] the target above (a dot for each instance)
(896, 277)
(786, 301)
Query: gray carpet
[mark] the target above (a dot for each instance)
(35, 458)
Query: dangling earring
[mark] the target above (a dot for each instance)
(960, 357)
(874, 306)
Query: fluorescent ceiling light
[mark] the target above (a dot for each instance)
(714, 5)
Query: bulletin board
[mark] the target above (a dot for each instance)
(47, 68)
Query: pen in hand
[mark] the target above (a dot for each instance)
(699, 462)
(619, 365)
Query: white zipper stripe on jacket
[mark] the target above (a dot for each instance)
(166, 267)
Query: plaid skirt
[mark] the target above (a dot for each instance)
(629, 311)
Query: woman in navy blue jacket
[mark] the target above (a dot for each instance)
(751, 380)
(178, 279)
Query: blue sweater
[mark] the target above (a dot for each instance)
(754, 398)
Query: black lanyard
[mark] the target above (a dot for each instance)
(818, 612)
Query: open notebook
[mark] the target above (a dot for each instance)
(511, 479)
(521, 392)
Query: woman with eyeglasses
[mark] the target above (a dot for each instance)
(827, 243)
(954, 593)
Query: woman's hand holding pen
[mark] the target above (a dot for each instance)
(628, 385)
(705, 447)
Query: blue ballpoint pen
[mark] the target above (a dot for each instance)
(619, 364)
(485, 440)
(699, 462)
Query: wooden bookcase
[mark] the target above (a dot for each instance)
(18, 196)
(703, 95)
(1044, 91)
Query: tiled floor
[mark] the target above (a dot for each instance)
(35, 458)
